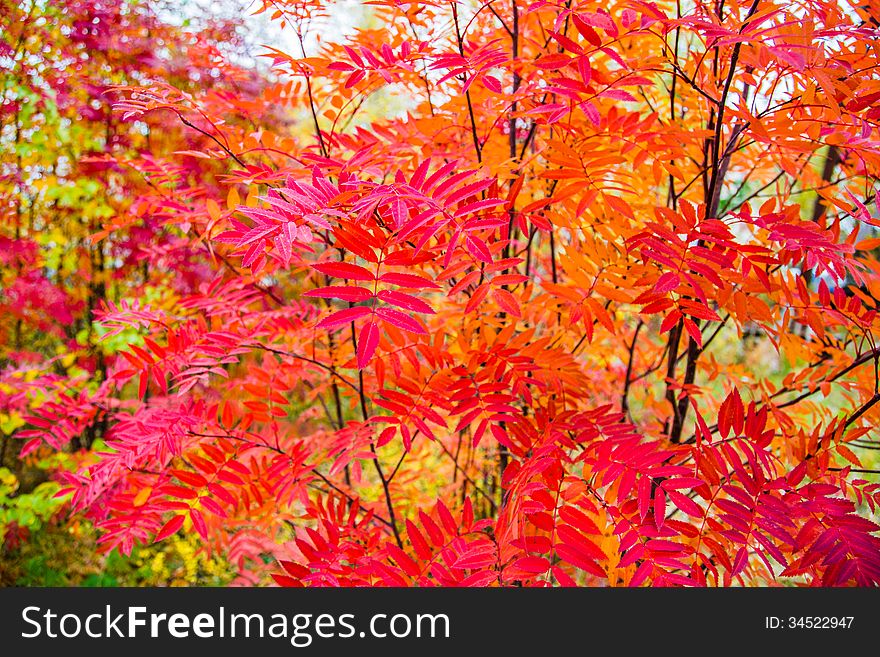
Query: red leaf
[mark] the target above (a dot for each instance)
(420, 545)
(739, 412)
(667, 282)
(342, 317)
(169, 528)
(476, 298)
(536, 565)
(367, 343)
(657, 306)
(180, 492)
(480, 579)
(447, 519)
(642, 573)
(586, 31)
(492, 84)
(669, 321)
(407, 301)
(344, 292)
(694, 331)
(294, 569)
(730, 415)
(659, 507)
(562, 577)
(477, 248)
(480, 555)
(661, 545)
(553, 62)
(199, 523)
(644, 496)
(408, 280)
(578, 519)
(213, 507)
(434, 532)
(739, 563)
(191, 478)
(403, 560)
(287, 582)
(570, 536)
(678, 483)
(507, 301)
(218, 491)
(567, 43)
(401, 320)
(579, 559)
(344, 270)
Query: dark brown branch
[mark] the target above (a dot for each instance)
(624, 403)
(378, 466)
(717, 175)
(467, 93)
(690, 373)
(672, 359)
(281, 352)
(864, 408)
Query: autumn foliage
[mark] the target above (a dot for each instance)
(469, 294)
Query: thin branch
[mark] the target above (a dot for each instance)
(467, 93)
(624, 403)
(378, 466)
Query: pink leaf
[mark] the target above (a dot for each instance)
(492, 84)
(659, 507)
(740, 561)
(477, 248)
(666, 283)
(644, 496)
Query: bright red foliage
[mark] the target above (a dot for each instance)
(559, 315)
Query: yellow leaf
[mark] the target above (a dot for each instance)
(213, 209)
(141, 498)
(233, 200)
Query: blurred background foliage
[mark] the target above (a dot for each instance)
(43, 547)
(69, 166)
